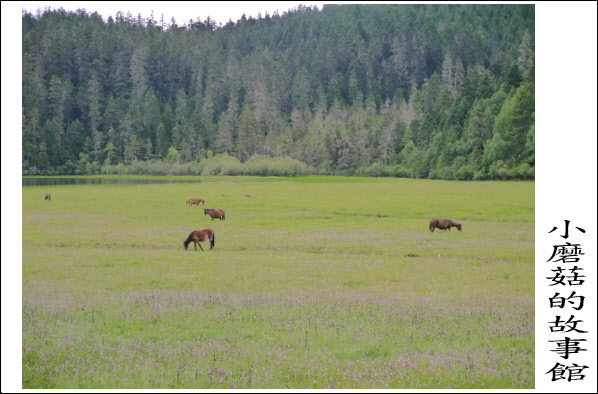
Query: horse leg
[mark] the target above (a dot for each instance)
(200, 246)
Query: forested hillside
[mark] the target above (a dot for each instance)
(423, 91)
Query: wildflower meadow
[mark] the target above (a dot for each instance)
(314, 282)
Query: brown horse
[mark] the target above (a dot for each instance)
(214, 213)
(248, 195)
(443, 224)
(196, 201)
(48, 196)
(198, 236)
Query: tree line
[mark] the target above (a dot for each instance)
(423, 91)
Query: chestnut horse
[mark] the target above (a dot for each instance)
(443, 224)
(214, 213)
(198, 236)
(192, 201)
(48, 196)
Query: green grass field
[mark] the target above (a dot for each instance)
(315, 282)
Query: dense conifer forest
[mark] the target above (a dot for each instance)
(422, 91)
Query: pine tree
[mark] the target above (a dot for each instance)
(162, 141)
(479, 129)
(344, 88)
(515, 119)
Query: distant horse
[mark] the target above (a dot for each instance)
(443, 224)
(198, 236)
(196, 201)
(248, 195)
(214, 213)
(48, 196)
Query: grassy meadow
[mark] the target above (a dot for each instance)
(314, 282)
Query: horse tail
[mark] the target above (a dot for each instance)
(213, 241)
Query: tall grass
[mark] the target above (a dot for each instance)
(315, 282)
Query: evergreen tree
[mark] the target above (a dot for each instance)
(407, 90)
(515, 119)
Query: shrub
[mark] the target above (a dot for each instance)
(465, 173)
(400, 171)
(523, 171)
(375, 170)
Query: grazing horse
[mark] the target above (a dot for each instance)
(198, 236)
(192, 201)
(443, 224)
(214, 213)
(48, 196)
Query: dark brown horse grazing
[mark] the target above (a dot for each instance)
(214, 213)
(192, 201)
(443, 224)
(198, 236)
(48, 196)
